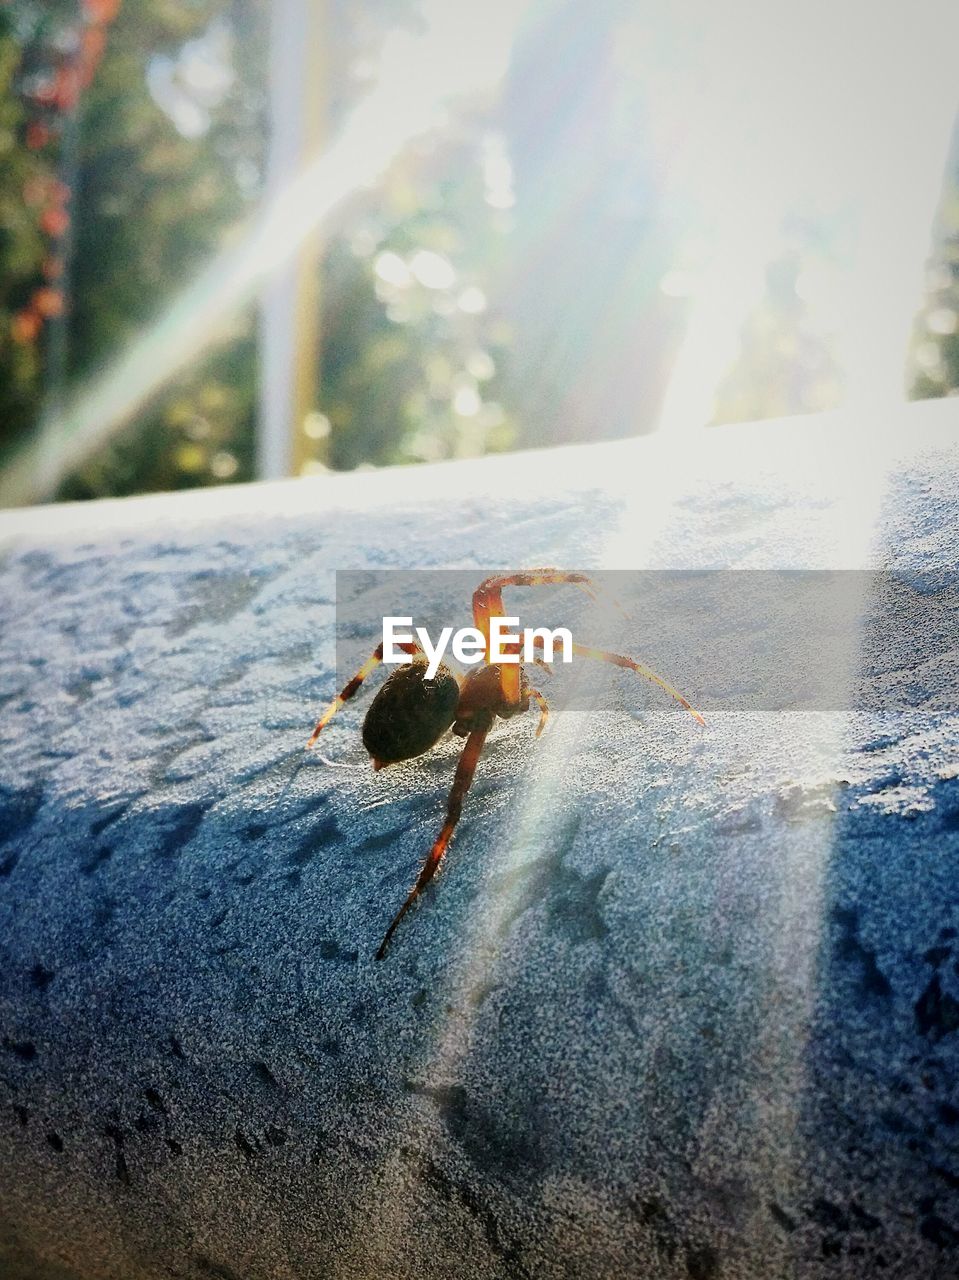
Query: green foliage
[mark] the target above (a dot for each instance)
(935, 352)
(405, 372)
(415, 371)
(151, 208)
(147, 207)
(785, 365)
(21, 243)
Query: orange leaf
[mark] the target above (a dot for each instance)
(25, 327)
(54, 222)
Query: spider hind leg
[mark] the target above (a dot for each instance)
(352, 687)
(461, 784)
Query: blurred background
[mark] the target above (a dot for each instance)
(242, 239)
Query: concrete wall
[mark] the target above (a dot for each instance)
(684, 1002)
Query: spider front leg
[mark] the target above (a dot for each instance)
(488, 603)
(461, 784)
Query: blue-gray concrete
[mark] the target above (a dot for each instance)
(684, 1003)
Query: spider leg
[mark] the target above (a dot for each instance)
(488, 596)
(630, 664)
(541, 662)
(543, 709)
(535, 578)
(488, 603)
(461, 784)
(352, 686)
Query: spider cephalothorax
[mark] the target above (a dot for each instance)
(482, 699)
(412, 711)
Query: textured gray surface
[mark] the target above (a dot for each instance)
(683, 1004)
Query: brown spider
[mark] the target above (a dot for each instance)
(411, 713)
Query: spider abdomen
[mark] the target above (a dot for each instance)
(410, 713)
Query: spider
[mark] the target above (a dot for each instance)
(411, 713)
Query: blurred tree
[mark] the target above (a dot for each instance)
(24, 176)
(786, 364)
(169, 159)
(155, 156)
(935, 350)
(414, 354)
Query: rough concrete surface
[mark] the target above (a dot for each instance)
(684, 1003)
